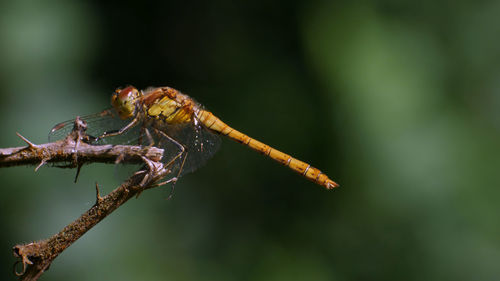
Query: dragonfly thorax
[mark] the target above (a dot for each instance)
(124, 101)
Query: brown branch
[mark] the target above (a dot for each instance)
(36, 257)
(66, 151)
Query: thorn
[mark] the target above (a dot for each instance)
(43, 162)
(30, 144)
(97, 195)
(139, 172)
(144, 180)
(26, 262)
(79, 167)
(120, 158)
(139, 193)
(75, 154)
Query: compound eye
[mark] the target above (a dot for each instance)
(127, 93)
(123, 100)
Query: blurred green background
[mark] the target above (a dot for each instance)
(398, 101)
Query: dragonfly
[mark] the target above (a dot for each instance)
(167, 118)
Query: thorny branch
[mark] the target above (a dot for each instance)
(74, 151)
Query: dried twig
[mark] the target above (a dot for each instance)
(36, 257)
(64, 151)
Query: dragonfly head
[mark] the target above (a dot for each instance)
(123, 100)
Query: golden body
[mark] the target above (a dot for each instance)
(167, 106)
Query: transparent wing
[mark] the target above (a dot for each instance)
(97, 124)
(200, 145)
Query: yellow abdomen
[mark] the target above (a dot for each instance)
(306, 170)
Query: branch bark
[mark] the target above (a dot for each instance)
(74, 151)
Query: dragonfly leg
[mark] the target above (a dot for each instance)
(174, 179)
(151, 141)
(171, 162)
(181, 153)
(119, 132)
(181, 147)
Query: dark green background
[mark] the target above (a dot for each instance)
(398, 101)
